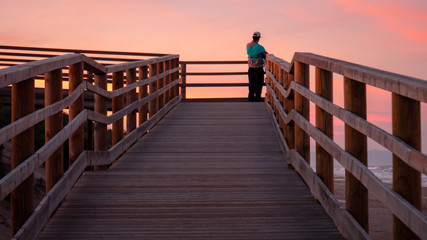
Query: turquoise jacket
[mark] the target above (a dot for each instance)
(254, 50)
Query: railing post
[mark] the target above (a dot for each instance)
(356, 144)
(89, 130)
(406, 180)
(152, 106)
(289, 105)
(168, 78)
(175, 76)
(76, 143)
(183, 81)
(160, 84)
(117, 104)
(22, 148)
(281, 100)
(143, 110)
(100, 107)
(130, 98)
(268, 96)
(302, 140)
(54, 167)
(324, 122)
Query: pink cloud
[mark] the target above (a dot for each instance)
(394, 16)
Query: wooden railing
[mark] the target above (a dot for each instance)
(288, 98)
(157, 81)
(185, 73)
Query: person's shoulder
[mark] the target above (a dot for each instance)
(250, 44)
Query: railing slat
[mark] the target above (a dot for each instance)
(118, 103)
(130, 98)
(324, 121)
(76, 143)
(143, 92)
(302, 140)
(53, 198)
(406, 125)
(100, 129)
(22, 147)
(356, 143)
(355, 101)
(54, 167)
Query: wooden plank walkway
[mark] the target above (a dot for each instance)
(206, 171)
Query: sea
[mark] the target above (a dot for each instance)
(379, 162)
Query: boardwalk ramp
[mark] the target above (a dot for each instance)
(206, 171)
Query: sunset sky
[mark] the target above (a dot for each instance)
(386, 34)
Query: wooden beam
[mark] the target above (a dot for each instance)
(152, 106)
(356, 145)
(143, 92)
(118, 103)
(76, 143)
(137, 64)
(407, 153)
(406, 180)
(183, 80)
(54, 168)
(51, 201)
(168, 79)
(130, 98)
(324, 121)
(403, 85)
(21, 72)
(101, 108)
(176, 75)
(302, 140)
(160, 84)
(32, 119)
(22, 148)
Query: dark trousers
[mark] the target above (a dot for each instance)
(256, 80)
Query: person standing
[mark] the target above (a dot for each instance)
(256, 57)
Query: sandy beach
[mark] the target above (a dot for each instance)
(380, 218)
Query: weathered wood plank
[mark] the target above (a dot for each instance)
(401, 149)
(53, 198)
(191, 189)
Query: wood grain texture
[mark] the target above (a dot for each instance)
(22, 72)
(410, 87)
(411, 216)
(404, 151)
(199, 174)
(356, 143)
(21, 201)
(54, 167)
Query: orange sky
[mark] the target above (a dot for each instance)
(385, 34)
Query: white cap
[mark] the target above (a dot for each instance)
(257, 34)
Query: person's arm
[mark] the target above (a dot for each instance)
(263, 54)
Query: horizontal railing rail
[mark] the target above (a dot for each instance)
(152, 89)
(288, 98)
(18, 54)
(184, 73)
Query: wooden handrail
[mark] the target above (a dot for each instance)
(184, 73)
(62, 50)
(410, 87)
(163, 83)
(281, 73)
(398, 147)
(17, 74)
(22, 72)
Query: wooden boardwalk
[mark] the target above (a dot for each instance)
(206, 171)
